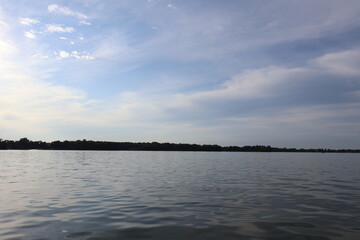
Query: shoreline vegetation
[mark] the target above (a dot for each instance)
(26, 144)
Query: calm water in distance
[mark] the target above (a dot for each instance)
(178, 195)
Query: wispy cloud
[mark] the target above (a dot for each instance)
(344, 63)
(171, 6)
(54, 8)
(116, 46)
(57, 28)
(82, 22)
(27, 100)
(29, 34)
(29, 21)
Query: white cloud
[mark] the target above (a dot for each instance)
(171, 6)
(63, 38)
(54, 8)
(345, 62)
(256, 83)
(74, 54)
(29, 35)
(59, 28)
(64, 54)
(29, 21)
(82, 22)
(250, 85)
(272, 81)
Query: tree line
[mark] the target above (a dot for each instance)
(27, 144)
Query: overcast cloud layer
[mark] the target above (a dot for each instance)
(280, 73)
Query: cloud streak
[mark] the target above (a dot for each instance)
(57, 28)
(29, 21)
(57, 9)
(30, 35)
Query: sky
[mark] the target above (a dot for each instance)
(284, 73)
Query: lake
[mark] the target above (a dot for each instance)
(178, 195)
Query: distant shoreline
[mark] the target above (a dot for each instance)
(26, 144)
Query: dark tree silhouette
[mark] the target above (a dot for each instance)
(84, 144)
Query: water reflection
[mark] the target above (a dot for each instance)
(178, 195)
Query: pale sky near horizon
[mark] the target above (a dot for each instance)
(284, 73)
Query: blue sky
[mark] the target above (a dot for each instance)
(281, 73)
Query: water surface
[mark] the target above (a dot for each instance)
(178, 195)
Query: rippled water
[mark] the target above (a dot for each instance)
(178, 195)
